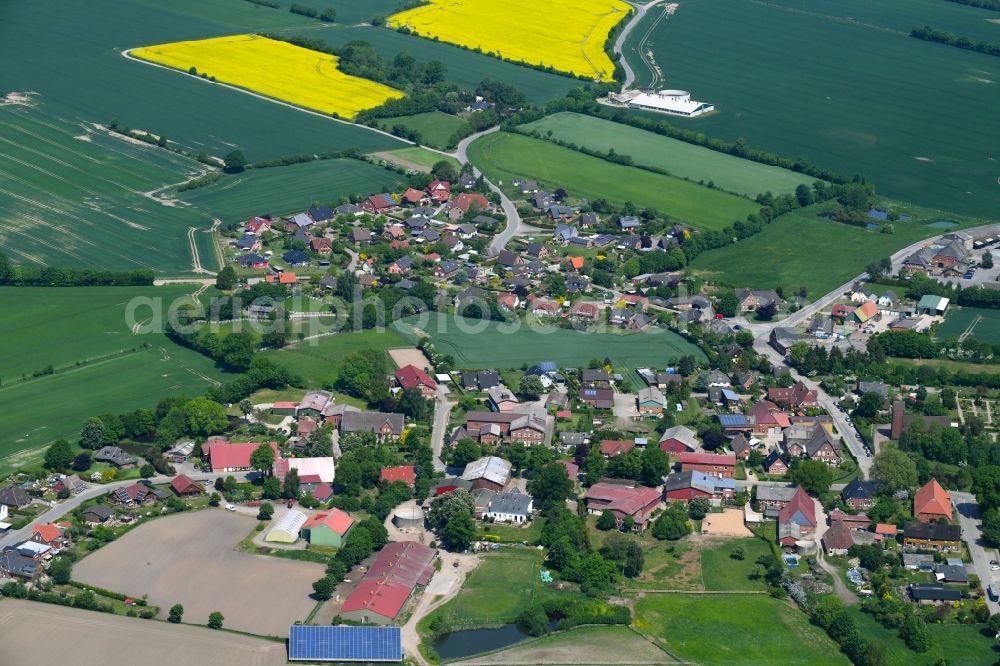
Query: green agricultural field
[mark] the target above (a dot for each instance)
(317, 362)
(435, 127)
(464, 68)
(503, 157)
(984, 324)
(77, 48)
(99, 365)
(737, 628)
(416, 157)
(842, 84)
(290, 189)
(786, 253)
(73, 195)
(684, 160)
(495, 347)
(42, 410)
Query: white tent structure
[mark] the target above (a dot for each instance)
(286, 530)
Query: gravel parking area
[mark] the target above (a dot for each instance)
(190, 559)
(42, 633)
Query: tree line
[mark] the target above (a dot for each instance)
(929, 34)
(55, 276)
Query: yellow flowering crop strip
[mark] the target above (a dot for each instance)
(567, 35)
(276, 69)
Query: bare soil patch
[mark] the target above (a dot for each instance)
(74, 636)
(409, 356)
(190, 559)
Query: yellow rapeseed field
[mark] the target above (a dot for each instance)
(567, 35)
(276, 69)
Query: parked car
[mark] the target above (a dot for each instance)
(230, 507)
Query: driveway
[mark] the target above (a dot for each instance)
(839, 587)
(442, 410)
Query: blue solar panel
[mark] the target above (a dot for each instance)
(732, 419)
(344, 643)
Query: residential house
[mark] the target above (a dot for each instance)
(527, 428)
(414, 197)
(14, 497)
(466, 202)
(628, 223)
(183, 486)
(500, 399)
(750, 300)
(796, 397)
(931, 503)
(349, 209)
(821, 447)
(624, 502)
(510, 507)
(14, 564)
(360, 235)
(773, 499)
(741, 446)
(541, 307)
(321, 214)
(446, 269)
(611, 448)
(797, 519)
(98, 514)
(410, 376)
(782, 338)
(859, 494)
(114, 455)
(252, 260)
(526, 185)
(439, 191)
(838, 539)
(404, 473)
(481, 380)
(379, 204)
(508, 300)
(257, 225)
(296, 257)
(767, 418)
(684, 486)
(775, 464)
(136, 494)
(932, 536)
(385, 426)
(321, 246)
(248, 243)
(934, 594)
(598, 398)
(721, 465)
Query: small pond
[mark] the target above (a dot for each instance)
(461, 644)
(942, 224)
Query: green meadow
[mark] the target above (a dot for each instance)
(435, 127)
(845, 86)
(503, 157)
(678, 158)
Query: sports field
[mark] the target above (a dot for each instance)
(684, 160)
(435, 127)
(64, 327)
(981, 324)
(494, 347)
(73, 635)
(756, 629)
(76, 51)
(566, 35)
(275, 69)
(282, 190)
(917, 118)
(788, 252)
(503, 156)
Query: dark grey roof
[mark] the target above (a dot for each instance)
(15, 497)
(932, 531)
(933, 592)
(514, 503)
(858, 489)
(101, 511)
(114, 455)
(296, 257)
(371, 422)
(15, 564)
(953, 573)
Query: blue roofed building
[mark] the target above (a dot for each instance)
(361, 644)
(733, 423)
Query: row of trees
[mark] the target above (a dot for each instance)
(54, 276)
(929, 34)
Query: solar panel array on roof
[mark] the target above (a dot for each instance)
(732, 420)
(322, 643)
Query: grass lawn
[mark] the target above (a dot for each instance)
(498, 589)
(960, 644)
(435, 127)
(417, 158)
(509, 534)
(503, 157)
(985, 324)
(722, 572)
(737, 628)
(678, 158)
(954, 366)
(494, 347)
(317, 362)
(786, 251)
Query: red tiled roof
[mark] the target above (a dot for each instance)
(284, 405)
(623, 499)
(410, 376)
(572, 469)
(464, 202)
(287, 278)
(398, 568)
(405, 473)
(182, 483)
(323, 492)
(233, 456)
(932, 499)
(800, 502)
(885, 529)
(614, 447)
(708, 459)
(335, 519)
(575, 261)
(48, 532)
(838, 537)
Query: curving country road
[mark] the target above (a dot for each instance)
(515, 225)
(640, 13)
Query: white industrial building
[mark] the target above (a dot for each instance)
(286, 530)
(673, 102)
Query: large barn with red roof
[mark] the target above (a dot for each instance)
(226, 457)
(931, 503)
(410, 376)
(385, 589)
